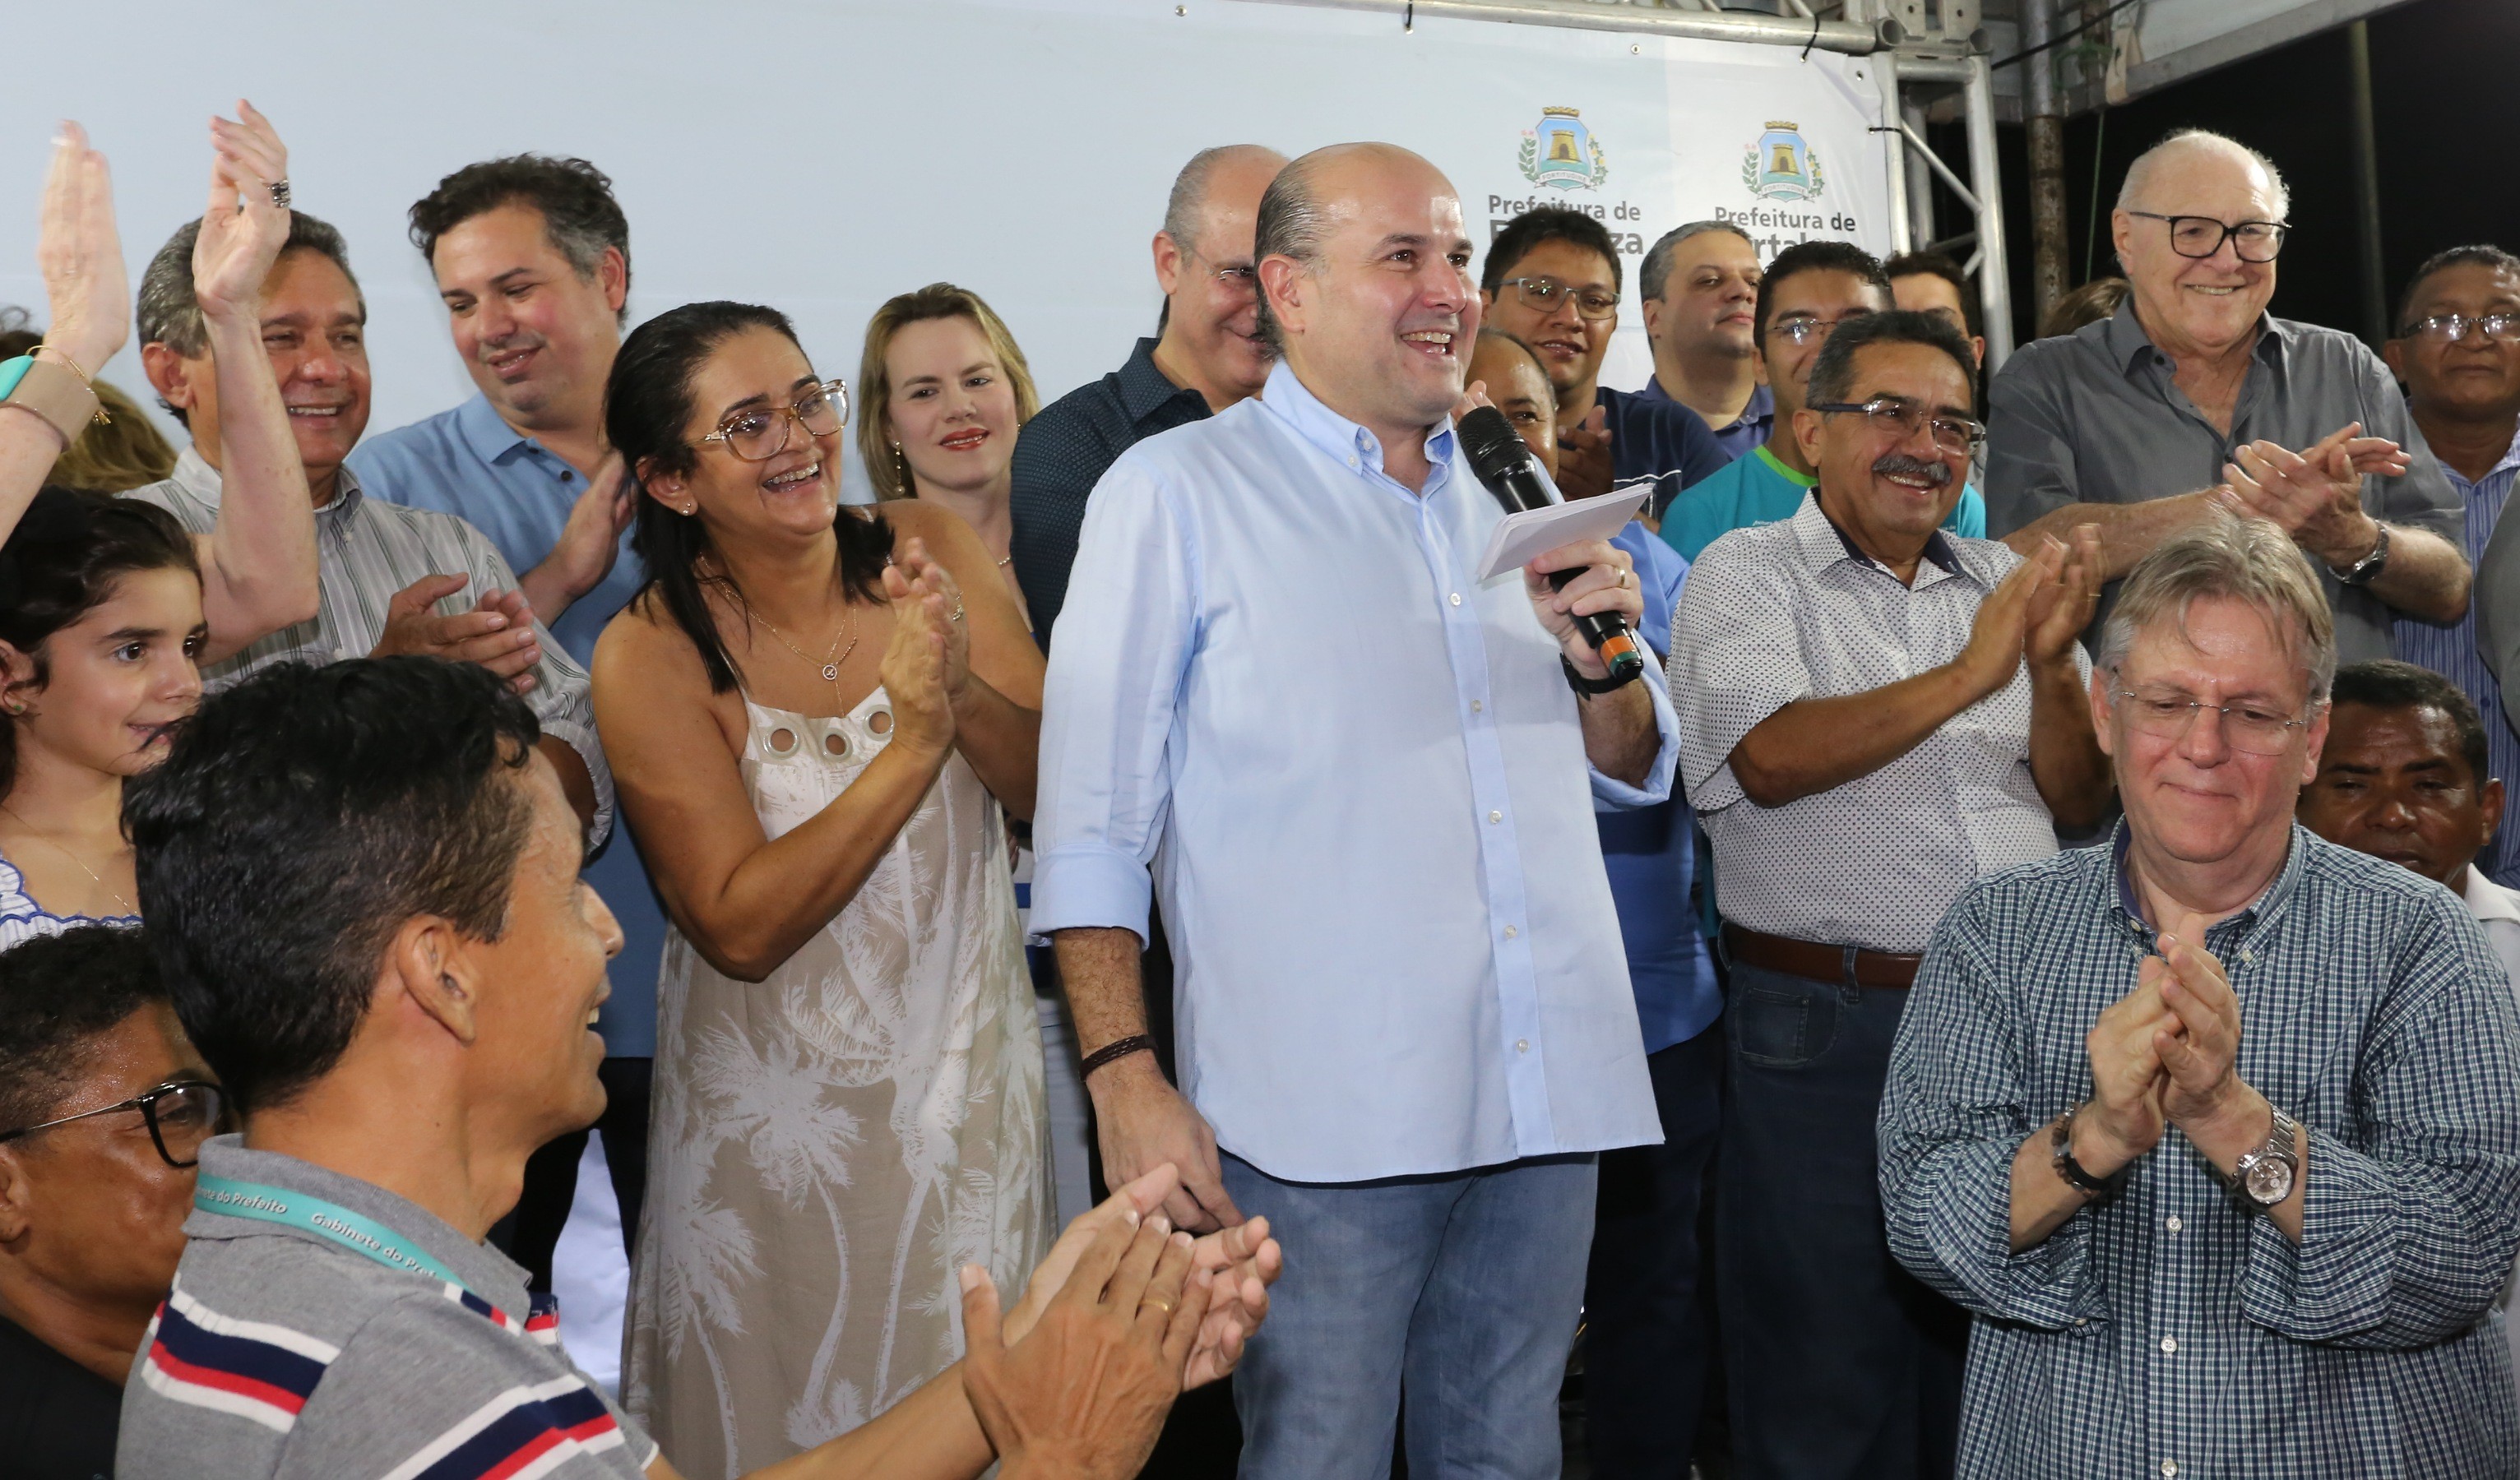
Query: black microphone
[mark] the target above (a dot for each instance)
(1506, 466)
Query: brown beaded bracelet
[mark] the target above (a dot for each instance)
(1114, 1050)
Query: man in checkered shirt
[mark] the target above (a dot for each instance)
(2216, 1130)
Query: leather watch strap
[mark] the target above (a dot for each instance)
(52, 392)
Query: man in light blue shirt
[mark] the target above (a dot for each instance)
(532, 256)
(1366, 782)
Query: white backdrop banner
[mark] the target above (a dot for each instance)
(822, 158)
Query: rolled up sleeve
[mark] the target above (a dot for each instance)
(1129, 630)
(1735, 659)
(2408, 1226)
(1954, 1113)
(2421, 497)
(2030, 463)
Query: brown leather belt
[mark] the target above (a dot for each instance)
(1814, 961)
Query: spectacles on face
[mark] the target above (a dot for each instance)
(2166, 714)
(763, 432)
(1545, 293)
(1806, 329)
(2204, 236)
(181, 1115)
(1235, 276)
(1903, 418)
(2451, 327)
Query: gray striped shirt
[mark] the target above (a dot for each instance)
(366, 551)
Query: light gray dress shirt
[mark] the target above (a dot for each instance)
(367, 549)
(1792, 610)
(2093, 417)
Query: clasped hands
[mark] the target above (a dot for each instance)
(2166, 1054)
(2316, 494)
(1124, 1315)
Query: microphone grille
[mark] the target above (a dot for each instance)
(1490, 441)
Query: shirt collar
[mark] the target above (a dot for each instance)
(196, 476)
(1777, 465)
(1761, 407)
(2268, 900)
(2488, 900)
(484, 1269)
(1823, 543)
(2129, 346)
(1145, 389)
(1291, 401)
(489, 436)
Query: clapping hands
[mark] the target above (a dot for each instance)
(80, 255)
(2165, 1055)
(2315, 495)
(244, 226)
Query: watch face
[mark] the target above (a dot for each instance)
(2268, 1180)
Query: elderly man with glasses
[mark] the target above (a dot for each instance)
(2215, 1131)
(1873, 713)
(2192, 395)
(104, 1107)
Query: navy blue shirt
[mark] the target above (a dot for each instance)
(1661, 440)
(1748, 431)
(1064, 452)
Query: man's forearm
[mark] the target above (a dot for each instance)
(262, 547)
(547, 590)
(2041, 1200)
(1812, 744)
(1099, 969)
(2066, 762)
(2127, 531)
(2425, 578)
(1620, 737)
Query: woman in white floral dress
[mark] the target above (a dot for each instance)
(814, 714)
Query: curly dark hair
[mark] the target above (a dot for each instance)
(575, 199)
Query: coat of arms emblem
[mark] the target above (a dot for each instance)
(1560, 152)
(1779, 165)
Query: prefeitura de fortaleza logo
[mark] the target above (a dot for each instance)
(1778, 165)
(1561, 153)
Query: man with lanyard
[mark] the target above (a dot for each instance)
(364, 888)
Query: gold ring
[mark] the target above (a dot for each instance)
(958, 613)
(1161, 1303)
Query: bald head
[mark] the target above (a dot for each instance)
(2195, 160)
(1306, 198)
(1209, 339)
(1231, 175)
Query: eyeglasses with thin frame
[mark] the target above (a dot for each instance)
(2167, 715)
(2204, 236)
(2451, 327)
(1803, 328)
(1240, 277)
(1956, 436)
(181, 1114)
(763, 432)
(1545, 294)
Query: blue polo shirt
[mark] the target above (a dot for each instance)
(1651, 856)
(469, 464)
(1760, 489)
(1662, 440)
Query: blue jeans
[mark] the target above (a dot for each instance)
(1838, 1363)
(1464, 1288)
(1647, 1354)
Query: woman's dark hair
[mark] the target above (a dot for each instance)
(646, 404)
(62, 562)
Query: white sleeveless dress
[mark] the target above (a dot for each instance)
(829, 1146)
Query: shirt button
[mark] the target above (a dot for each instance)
(2170, 1466)
(1477, 707)
(1456, 599)
(2172, 1224)
(1510, 932)
(1496, 817)
(2248, 954)
(1522, 1045)
(2170, 1346)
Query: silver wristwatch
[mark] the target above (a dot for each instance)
(2265, 1175)
(2365, 571)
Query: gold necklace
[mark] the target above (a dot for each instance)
(831, 665)
(128, 908)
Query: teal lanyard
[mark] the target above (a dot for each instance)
(325, 1220)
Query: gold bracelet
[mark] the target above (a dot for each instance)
(86, 380)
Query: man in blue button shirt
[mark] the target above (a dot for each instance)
(1700, 282)
(1367, 782)
(1646, 1357)
(532, 258)
(1551, 280)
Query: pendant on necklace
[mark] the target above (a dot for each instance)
(830, 673)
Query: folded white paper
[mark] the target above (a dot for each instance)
(1521, 538)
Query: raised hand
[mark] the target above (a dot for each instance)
(591, 541)
(2199, 1049)
(242, 229)
(2124, 1119)
(2001, 629)
(80, 255)
(1584, 465)
(2061, 607)
(924, 570)
(2315, 495)
(914, 668)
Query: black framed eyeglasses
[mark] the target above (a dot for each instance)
(1545, 293)
(1958, 435)
(181, 1114)
(2204, 236)
(763, 432)
(2451, 327)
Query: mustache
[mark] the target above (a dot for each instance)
(1900, 465)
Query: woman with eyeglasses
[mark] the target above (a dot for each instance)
(104, 1107)
(818, 716)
